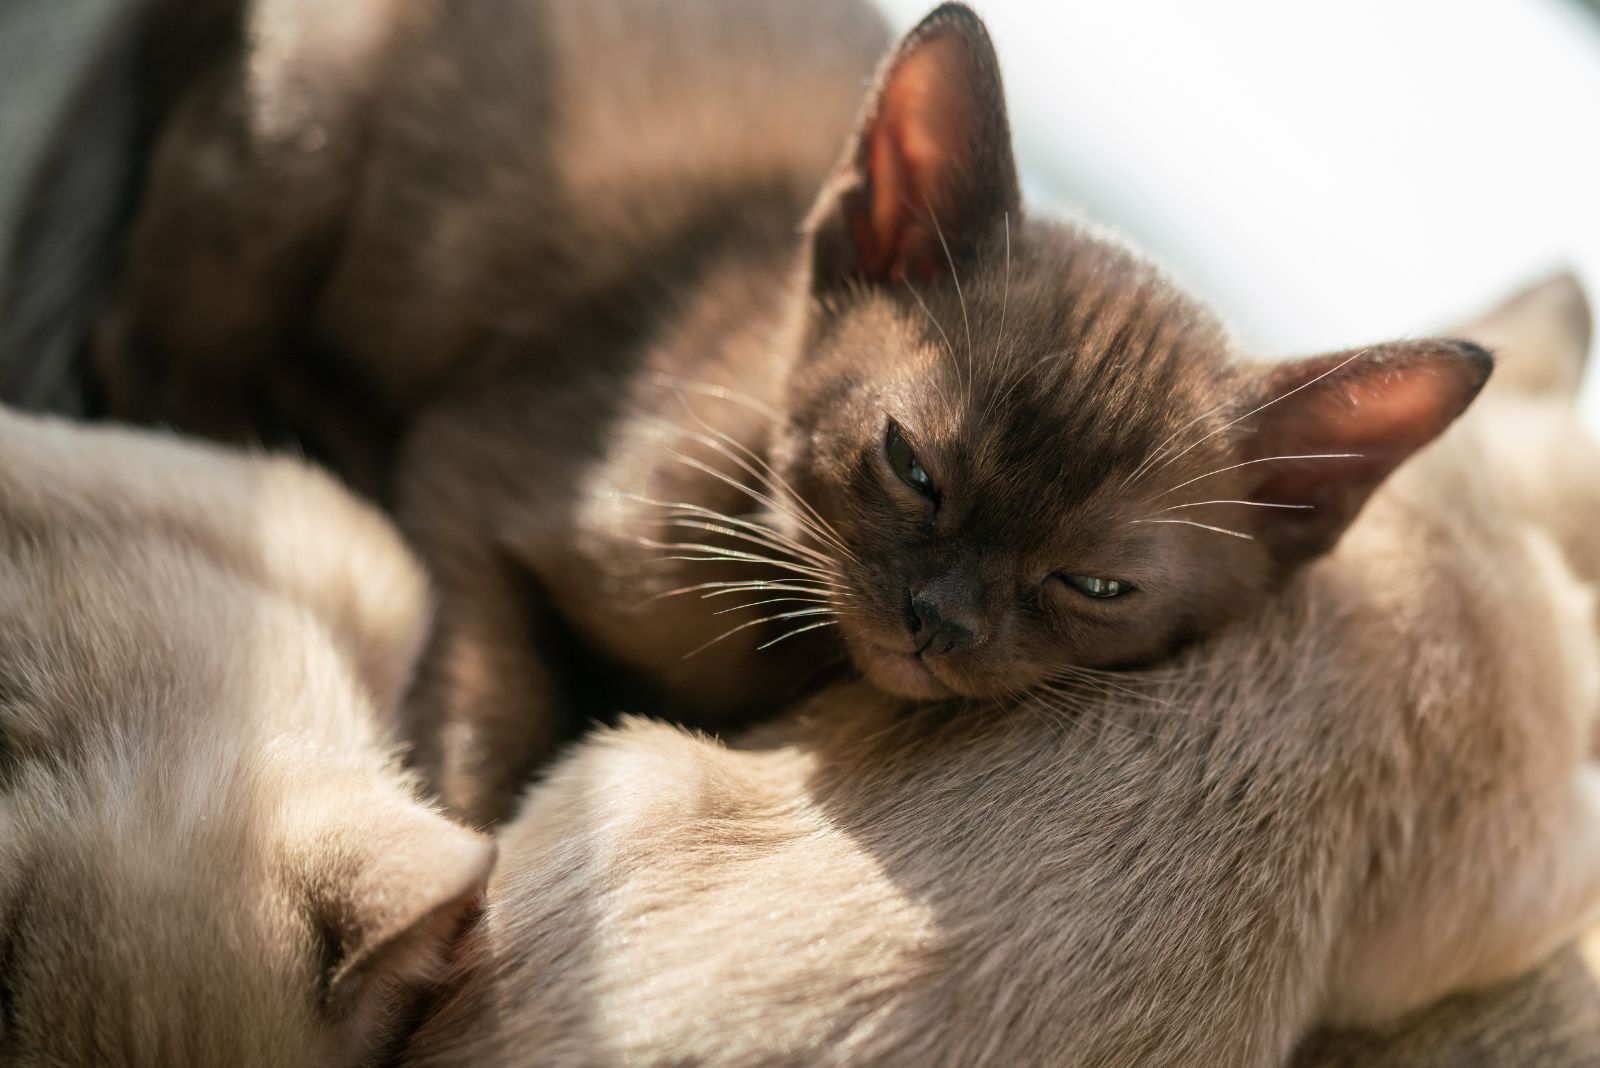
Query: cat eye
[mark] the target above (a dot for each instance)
(905, 462)
(1100, 588)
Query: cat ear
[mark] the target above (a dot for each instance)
(1326, 431)
(393, 896)
(1540, 336)
(930, 171)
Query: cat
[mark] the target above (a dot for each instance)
(1377, 791)
(209, 853)
(661, 445)
(1549, 1019)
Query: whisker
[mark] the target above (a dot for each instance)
(1287, 393)
(801, 630)
(1261, 460)
(757, 622)
(747, 536)
(781, 586)
(1251, 504)
(822, 527)
(752, 493)
(955, 361)
(1161, 449)
(772, 600)
(716, 391)
(1100, 679)
(1022, 376)
(728, 554)
(714, 555)
(1202, 526)
(722, 589)
(960, 297)
(687, 510)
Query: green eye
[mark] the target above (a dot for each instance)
(1102, 588)
(906, 464)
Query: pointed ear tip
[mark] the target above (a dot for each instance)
(1477, 363)
(1566, 290)
(951, 15)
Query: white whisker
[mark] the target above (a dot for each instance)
(1202, 526)
(686, 510)
(721, 589)
(1287, 393)
(960, 297)
(955, 361)
(747, 536)
(800, 630)
(716, 391)
(755, 623)
(821, 527)
(748, 491)
(1261, 460)
(1161, 449)
(1250, 504)
(715, 555)
(773, 600)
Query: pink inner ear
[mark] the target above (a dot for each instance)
(1339, 426)
(920, 136)
(1380, 409)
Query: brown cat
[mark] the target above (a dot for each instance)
(1378, 790)
(208, 852)
(555, 245)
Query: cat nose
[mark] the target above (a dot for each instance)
(941, 625)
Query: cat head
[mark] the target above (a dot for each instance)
(209, 853)
(1034, 453)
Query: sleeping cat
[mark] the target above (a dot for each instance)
(208, 852)
(661, 450)
(1377, 790)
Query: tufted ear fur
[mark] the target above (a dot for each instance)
(1326, 431)
(930, 169)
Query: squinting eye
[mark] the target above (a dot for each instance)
(905, 463)
(1090, 586)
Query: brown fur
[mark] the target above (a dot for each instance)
(1374, 794)
(208, 852)
(553, 248)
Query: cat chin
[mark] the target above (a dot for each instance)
(902, 674)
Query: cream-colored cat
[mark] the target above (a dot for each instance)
(208, 853)
(1373, 795)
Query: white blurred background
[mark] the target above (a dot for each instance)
(1325, 174)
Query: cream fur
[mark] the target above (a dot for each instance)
(208, 852)
(1376, 794)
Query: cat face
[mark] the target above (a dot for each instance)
(1030, 452)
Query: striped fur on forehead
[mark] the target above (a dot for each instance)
(1069, 350)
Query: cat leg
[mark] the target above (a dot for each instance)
(490, 703)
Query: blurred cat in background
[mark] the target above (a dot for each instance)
(208, 852)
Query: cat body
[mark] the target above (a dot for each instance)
(1375, 793)
(500, 246)
(690, 397)
(209, 853)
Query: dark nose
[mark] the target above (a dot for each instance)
(940, 624)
